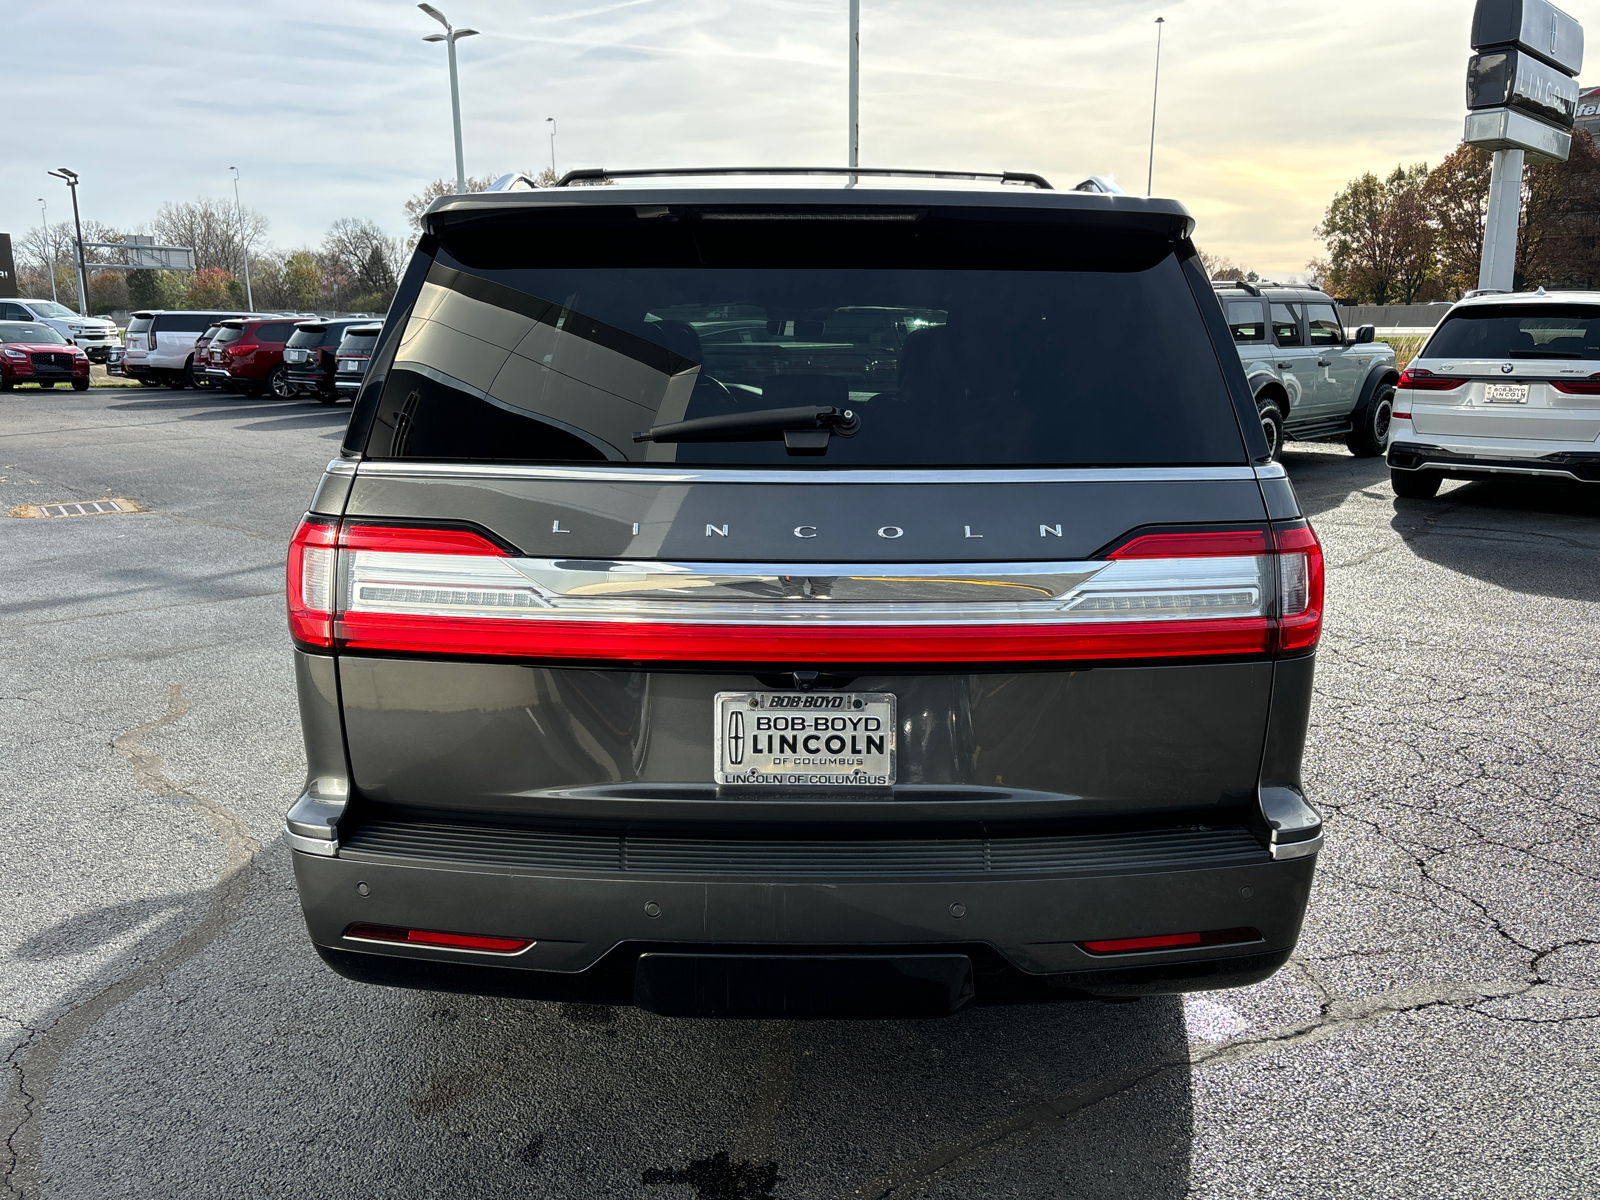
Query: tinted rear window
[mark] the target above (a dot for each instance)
(226, 334)
(355, 343)
(183, 322)
(991, 343)
(302, 338)
(275, 331)
(139, 324)
(1553, 331)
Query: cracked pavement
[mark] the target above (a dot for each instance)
(167, 1030)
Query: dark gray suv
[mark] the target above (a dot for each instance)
(823, 601)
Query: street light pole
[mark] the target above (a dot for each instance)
(244, 246)
(552, 123)
(83, 279)
(855, 86)
(1155, 92)
(449, 38)
(50, 245)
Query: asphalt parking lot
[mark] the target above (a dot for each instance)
(170, 1033)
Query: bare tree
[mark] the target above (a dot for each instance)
(1217, 266)
(353, 258)
(210, 224)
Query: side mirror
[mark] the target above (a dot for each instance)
(1365, 334)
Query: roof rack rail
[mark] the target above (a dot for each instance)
(1238, 283)
(601, 174)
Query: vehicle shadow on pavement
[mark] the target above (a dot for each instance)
(1499, 531)
(371, 1091)
(1325, 476)
(177, 400)
(327, 418)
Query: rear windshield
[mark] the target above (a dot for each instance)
(358, 343)
(1554, 331)
(226, 334)
(139, 324)
(1036, 344)
(276, 331)
(20, 331)
(183, 322)
(303, 338)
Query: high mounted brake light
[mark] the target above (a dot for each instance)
(454, 592)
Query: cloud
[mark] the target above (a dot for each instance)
(341, 109)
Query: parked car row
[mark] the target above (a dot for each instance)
(283, 354)
(95, 336)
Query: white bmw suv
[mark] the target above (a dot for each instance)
(1507, 384)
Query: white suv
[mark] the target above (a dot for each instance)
(1507, 384)
(95, 335)
(161, 345)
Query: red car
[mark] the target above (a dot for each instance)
(35, 353)
(247, 355)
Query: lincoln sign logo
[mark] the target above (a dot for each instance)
(736, 737)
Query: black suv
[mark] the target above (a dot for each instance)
(761, 601)
(309, 356)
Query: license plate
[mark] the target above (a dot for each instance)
(349, 364)
(294, 356)
(1506, 393)
(805, 739)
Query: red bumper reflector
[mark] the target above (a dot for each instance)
(1172, 941)
(659, 642)
(429, 937)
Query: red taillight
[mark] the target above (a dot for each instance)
(1578, 387)
(1423, 380)
(400, 539)
(150, 339)
(240, 349)
(430, 937)
(1173, 941)
(313, 564)
(1400, 416)
(1194, 545)
(455, 592)
(655, 642)
(1300, 586)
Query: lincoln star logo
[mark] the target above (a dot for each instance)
(735, 737)
(1507, 368)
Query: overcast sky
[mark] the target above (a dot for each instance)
(337, 108)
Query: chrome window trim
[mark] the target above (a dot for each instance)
(342, 466)
(670, 474)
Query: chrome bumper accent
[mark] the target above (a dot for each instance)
(1286, 850)
(312, 822)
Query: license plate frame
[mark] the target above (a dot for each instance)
(741, 761)
(1505, 393)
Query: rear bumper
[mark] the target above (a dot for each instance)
(311, 379)
(1481, 461)
(1020, 933)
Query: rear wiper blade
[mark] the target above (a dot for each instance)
(803, 430)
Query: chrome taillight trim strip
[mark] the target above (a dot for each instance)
(667, 473)
(1086, 593)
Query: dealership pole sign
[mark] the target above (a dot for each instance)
(1522, 96)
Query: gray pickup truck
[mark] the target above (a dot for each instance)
(1310, 379)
